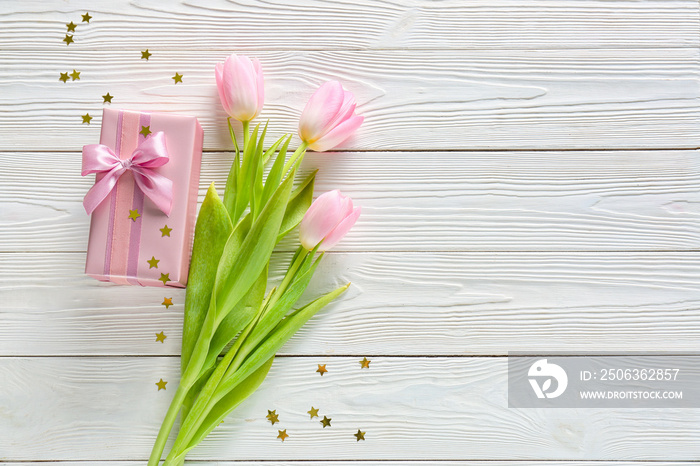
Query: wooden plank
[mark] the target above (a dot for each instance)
(410, 409)
(412, 99)
(362, 463)
(400, 303)
(300, 24)
(428, 201)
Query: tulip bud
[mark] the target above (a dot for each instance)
(240, 83)
(328, 219)
(329, 117)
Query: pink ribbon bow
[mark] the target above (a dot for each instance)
(150, 154)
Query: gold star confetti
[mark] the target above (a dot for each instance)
(87, 118)
(145, 54)
(161, 385)
(68, 39)
(164, 277)
(75, 75)
(134, 214)
(64, 77)
(145, 130)
(86, 17)
(272, 416)
(282, 434)
(71, 26)
(326, 422)
(153, 262)
(313, 412)
(321, 369)
(165, 231)
(177, 78)
(107, 99)
(167, 302)
(364, 364)
(359, 435)
(161, 337)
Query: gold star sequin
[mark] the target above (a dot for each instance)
(68, 39)
(145, 130)
(87, 118)
(272, 416)
(107, 99)
(64, 77)
(359, 435)
(145, 54)
(167, 302)
(161, 337)
(165, 231)
(161, 385)
(71, 26)
(86, 17)
(326, 422)
(177, 78)
(282, 434)
(153, 262)
(364, 364)
(134, 214)
(321, 369)
(164, 277)
(313, 412)
(75, 75)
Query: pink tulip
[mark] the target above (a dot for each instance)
(328, 219)
(240, 83)
(329, 117)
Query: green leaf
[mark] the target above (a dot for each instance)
(238, 318)
(256, 172)
(299, 203)
(227, 404)
(212, 231)
(275, 175)
(274, 341)
(232, 180)
(241, 265)
(279, 309)
(244, 177)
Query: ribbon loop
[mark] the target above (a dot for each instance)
(150, 154)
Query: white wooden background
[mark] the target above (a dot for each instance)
(528, 172)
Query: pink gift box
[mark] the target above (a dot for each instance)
(153, 249)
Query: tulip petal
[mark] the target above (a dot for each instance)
(338, 134)
(242, 87)
(260, 84)
(320, 111)
(219, 71)
(340, 230)
(323, 215)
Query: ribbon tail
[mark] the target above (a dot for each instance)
(101, 189)
(156, 187)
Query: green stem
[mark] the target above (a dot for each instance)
(167, 426)
(189, 377)
(190, 425)
(301, 150)
(246, 134)
(251, 343)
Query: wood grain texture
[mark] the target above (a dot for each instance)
(110, 408)
(429, 201)
(370, 462)
(412, 99)
(344, 24)
(399, 304)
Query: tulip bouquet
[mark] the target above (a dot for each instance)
(228, 301)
